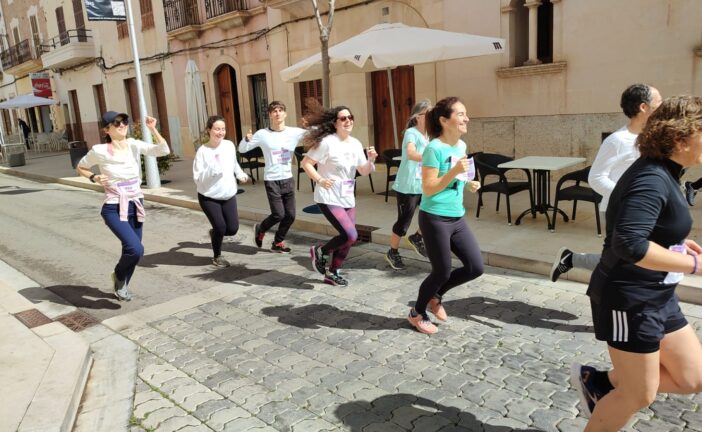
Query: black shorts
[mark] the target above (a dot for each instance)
(637, 330)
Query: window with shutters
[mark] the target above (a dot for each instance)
(122, 30)
(147, 14)
(310, 89)
(80, 22)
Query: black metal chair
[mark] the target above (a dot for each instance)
(252, 159)
(486, 166)
(576, 193)
(299, 155)
(370, 177)
(390, 163)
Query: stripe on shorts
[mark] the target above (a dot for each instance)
(620, 326)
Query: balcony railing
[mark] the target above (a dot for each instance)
(216, 8)
(20, 53)
(180, 13)
(66, 37)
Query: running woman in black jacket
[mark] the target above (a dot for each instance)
(632, 291)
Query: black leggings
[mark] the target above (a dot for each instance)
(223, 217)
(443, 235)
(406, 205)
(281, 198)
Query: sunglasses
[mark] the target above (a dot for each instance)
(118, 122)
(344, 118)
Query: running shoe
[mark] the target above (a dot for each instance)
(319, 261)
(121, 289)
(421, 322)
(690, 193)
(562, 264)
(258, 235)
(582, 378)
(220, 262)
(280, 248)
(334, 278)
(417, 242)
(395, 260)
(437, 309)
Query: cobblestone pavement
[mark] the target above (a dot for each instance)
(283, 352)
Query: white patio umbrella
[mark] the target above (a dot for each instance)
(195, 100)
(386, 46)
(21, 102)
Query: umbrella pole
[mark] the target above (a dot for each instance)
(392, 108)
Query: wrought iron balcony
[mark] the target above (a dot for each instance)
(22, 58)
(216, 8)
(69, 48)
(181, 13)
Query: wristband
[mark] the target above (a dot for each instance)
(92, 177)
(694, 269)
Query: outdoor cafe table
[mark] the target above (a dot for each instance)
(541, 167)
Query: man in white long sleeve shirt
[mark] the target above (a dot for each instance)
(617, 152)
(278, 144)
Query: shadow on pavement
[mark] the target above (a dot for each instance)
(178, 257)
(512, 312)
(244, 275)
(405, 412)
(315, 316)
(78, 295)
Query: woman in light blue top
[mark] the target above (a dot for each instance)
(444, 169)
(408, 185)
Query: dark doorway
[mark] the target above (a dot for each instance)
(229, 101)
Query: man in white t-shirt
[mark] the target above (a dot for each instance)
(617, 152)
(278, 144)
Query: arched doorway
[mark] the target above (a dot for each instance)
(228, 102)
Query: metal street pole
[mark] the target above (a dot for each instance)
(151, 166)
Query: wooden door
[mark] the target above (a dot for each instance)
(101, 106)
(133, 99)
(78, 19)
(77, 125)
(229, 102)
(161, 111)
(403, 82)
(61, 22)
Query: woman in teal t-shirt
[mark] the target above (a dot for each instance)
(444, 167)
(408, 185)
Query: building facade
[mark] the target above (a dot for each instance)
(554, 90)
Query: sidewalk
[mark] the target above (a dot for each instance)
(528, 247)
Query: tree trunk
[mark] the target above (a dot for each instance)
(325, 72)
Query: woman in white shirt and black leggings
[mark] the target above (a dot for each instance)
(214, 169)
(338, 155)
(120, 175)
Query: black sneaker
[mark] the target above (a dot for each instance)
(280, 248)
(417, 243)
(319, 261)
(258, 235)
(562, 264)
(582, 378)
(334, 278)
(121, 289)
(220, 262)
(395, 260)
(690, 193)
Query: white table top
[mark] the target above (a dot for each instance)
(546, 163)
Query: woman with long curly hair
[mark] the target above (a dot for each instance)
(337, 155)
(632, 290)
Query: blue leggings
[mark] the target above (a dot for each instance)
(129, 233)
(443, 235)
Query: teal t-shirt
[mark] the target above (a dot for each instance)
(409, 175)
(448, 202)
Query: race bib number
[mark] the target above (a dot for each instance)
(464, 175)
(129, 187)
(418, 171)
(672, 278)
(348, 187)
(471, 169)
(281, 157)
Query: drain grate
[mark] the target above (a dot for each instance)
(77, 320)
(365, 232)
(32, 318)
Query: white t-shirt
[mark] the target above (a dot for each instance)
(278, 148)
(120, 166)
(617, 152)
(214, 170)
(337, 160)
